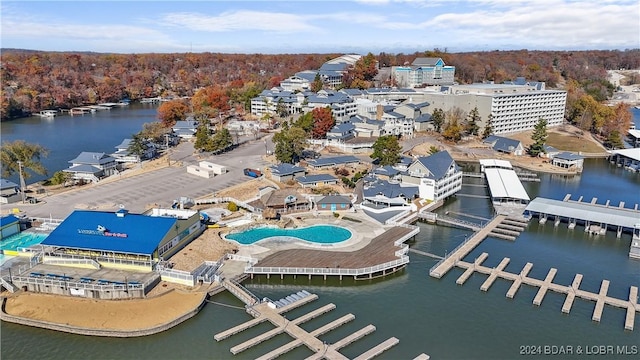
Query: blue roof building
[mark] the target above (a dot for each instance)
(9, 225)
(109, 236)
(317, 180)
(285, 172)
(505, 145)
(333, 161)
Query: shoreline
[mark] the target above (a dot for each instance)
(122, 331)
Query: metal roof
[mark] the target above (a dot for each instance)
(568, 156)
(132, 233)
(92, 158)
(286, 169)
(504, 183)
(9, 219)
(334, 199)
(633, 154)
(6, 184)
(586, 211)
(310, 179)
(437, 164)
(336, 160)
(493, 163)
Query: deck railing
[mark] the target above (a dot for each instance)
(94, 286)
(329, 271)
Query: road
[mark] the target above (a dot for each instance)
(160, 186)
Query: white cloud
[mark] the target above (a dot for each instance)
(239, 20)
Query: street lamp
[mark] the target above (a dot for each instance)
(22, 185)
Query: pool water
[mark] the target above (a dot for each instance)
(321, 234)
(23, 239)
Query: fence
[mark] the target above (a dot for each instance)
(329, 271)
(177, 276)
(217, 200)
(94, 286)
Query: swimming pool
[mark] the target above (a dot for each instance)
(10, 245)
(321, 234)
(23, 239)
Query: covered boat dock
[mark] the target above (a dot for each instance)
(595, 217)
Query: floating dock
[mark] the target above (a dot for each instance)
(270, 311)
(601, 298)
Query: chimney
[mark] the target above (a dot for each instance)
(379, 112)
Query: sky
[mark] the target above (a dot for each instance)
(330, 26)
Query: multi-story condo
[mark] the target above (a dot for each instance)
(437, 176)
(424, 71)
(514, 108)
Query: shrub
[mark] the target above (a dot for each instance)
(336, 215)
(232, 207)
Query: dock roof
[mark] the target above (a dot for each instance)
(633, 154)
(586, 211)
(504, 183)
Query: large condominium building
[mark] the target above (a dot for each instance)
(514, 107)
(424, 71)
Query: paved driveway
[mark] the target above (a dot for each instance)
(160, 186)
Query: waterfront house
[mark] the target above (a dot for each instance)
(568, 160)
(333, 203)
(505, 145)
(9, 225)
(383, 193)
(9, 192)
(92, 166)
(123, 154)
(285, 172)
(437, 176)
(185, 129)
(317, 180)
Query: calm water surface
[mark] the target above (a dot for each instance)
(434, 316)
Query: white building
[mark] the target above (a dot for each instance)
(424, 71)
(437, 176)
(514, 108)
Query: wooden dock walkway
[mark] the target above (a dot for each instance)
(426, 254)
(450, 261)
(268, 311)
(601, 298)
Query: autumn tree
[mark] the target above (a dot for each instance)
(171, 111)
(154, 131)
(18, 153)
(438, 119)
(539, 138)
(210, 101)
(323, 121)
(488, 127)
(386, 150)
(362, 73)
(453, 130)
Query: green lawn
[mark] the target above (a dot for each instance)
(568, 142)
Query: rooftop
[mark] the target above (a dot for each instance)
(106, 231)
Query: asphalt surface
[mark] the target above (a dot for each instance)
(159, 187)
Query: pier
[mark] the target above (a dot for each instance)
(270, 311)
(601, 298)
(597, 218)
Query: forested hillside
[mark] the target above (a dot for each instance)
(32, 80)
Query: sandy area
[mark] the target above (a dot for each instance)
(207, 247)
(103, 314)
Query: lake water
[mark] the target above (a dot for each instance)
(66, 136)
(434, 316)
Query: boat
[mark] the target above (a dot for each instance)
(48, 113)
(637, 107)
